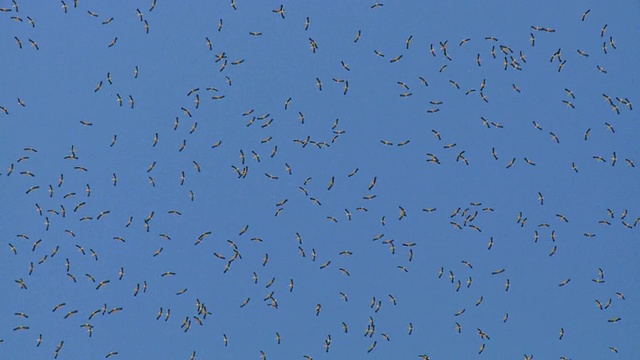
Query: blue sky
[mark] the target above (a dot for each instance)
(57, 86)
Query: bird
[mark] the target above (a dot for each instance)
(610, 127)
(70, 313)
(564, 282)
(280, 11)
(483, 335)
(392, 299)
(570, 93)
(245, 302)
(102, 283)
(34, 44)
(574, 167)
(408, 42)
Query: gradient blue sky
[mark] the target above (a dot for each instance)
(56, 85)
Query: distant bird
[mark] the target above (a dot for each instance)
(280, 11)
(34, 44)
(358, 34)
(396, 59)
(372, 347)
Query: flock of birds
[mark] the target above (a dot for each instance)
(103, 200)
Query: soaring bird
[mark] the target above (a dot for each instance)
(35, 45)
(564, 282)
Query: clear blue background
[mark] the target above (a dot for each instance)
(57, 85)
